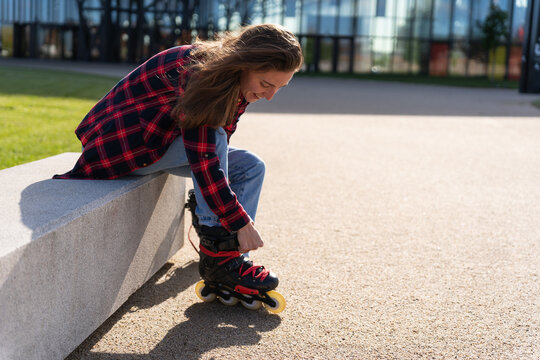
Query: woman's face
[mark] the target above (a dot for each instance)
(257, 85)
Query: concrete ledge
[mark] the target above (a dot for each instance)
(73, 251)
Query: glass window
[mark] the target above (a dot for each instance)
(423, 9)
(309, 17)
(325, 58)
(124, 44)
(477, 62)
(362, 55)
(329, 11)
(458, 58)
(381, 8)
(441, 19)
(221, 17)
(366, 7)
(383, 27)
(273, 10)
(419, 56)
(421, 28)
(497, 62)
(518, 23)
(422, 20)
(480, 10)
(346, 8)
(71, 12)
(514, 63)
(292, 15)
(93, 3)
(363, 25)
(503, 4)
(382, 49)
(344, 57)
(391, 7)
(256, 12)
(50, 44)
(3, 12)
(234, 20)
(438, 59)
(308, 50)
(404, 8)
(6, 39)
(150, 18)
(461, 19)
(402, 56)
(403, 27)
(92, 17)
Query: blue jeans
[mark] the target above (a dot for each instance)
(244, 170)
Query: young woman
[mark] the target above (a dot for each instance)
(176, 113)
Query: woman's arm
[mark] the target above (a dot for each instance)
(200, 146)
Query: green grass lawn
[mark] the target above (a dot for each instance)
(40, 109)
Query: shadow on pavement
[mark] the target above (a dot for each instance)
(209, 325)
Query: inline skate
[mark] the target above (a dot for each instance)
(227, 274)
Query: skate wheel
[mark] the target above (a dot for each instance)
(230, 302)
(198, 290)
(280, 302)
(253, 305)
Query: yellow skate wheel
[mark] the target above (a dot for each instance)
(253, 305)
(231, 301)
(280, 302)
(198, 290)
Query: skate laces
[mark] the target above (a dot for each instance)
(263, 273)
(231, 255)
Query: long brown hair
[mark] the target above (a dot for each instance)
(212, 93)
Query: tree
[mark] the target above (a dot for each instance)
(495, 31)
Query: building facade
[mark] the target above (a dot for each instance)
(435, 37)
(530, 65)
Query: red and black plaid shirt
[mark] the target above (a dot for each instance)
(131, 127)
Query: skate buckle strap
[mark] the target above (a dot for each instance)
(228, 254)
(231, 243)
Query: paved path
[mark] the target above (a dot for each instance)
(401, 219)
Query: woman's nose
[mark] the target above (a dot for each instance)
(270, 94)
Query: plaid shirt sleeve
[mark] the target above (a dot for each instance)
(200, 146)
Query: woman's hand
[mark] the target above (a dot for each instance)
(249, 238)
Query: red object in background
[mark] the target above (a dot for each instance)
(514, 63)
(521, 33)
(438, 59)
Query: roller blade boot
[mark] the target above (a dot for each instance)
(191, 205)
(229, 276)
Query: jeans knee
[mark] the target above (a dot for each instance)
(244, 165)
(259, 166)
